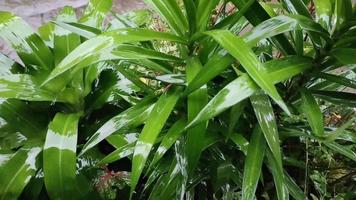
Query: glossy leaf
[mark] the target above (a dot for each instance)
(240, 50)
(133, 116)
(8, 66)
(134, 52)
(46, 33)
(98, 48)
(293, 188)
(253, 164)
(338, 98)
(122, 152)
(211, 69)
(17, 171)
(283, 24)
(313, 113)
(168, 140)
(265, 116)
(28, 45)
(87, 32)
(278, 176)
(285, 68)
(95, 13)
(152, 128)
(337, 79)
(236, 91)
(342, 150)
(22, 86)
(196, 101)
(64, 41)
(59, 156)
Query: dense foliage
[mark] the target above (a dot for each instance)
(199, 99)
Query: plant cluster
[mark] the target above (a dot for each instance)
(201, 99)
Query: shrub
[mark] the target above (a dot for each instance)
(221, 101)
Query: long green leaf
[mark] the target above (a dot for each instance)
(345, 55)
(336, 79)
(128, 52)
(203, 13)
(98, 48)
(256, 15)
(323, 13)
(64, 41)
(172, 14)
(59, 156)
(313, 113)
(293, 188)
(285, 68)
(169, 139)
(338, 98)
(265, 116)
(28, 45)
(17, 171)
(283, 24)
(133, 116)
(240, 50)
(253, 164)
(236, 91)
(278, 176)
(8, 66)
(211, 69)
(342, 150)
(24, 87)
(196, 101)
(95, 13)
(148, 136)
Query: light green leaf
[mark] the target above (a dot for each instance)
(204, 10)
(342, 150)
(211, 69)
(265, 116)
(196, 101)
(95, 13)
(17, 170)
(236, 91)
(152, 128)
(278, 176)
(59, 156)
(98, 48)
(22, 86)
(133, 116)
(172, 14)
(28, 45)
(64, 40)
(313, 113)
(253, 164)
(243, 53)
(168, 140)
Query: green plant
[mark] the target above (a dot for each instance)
(205, 107)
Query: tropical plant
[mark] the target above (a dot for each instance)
(213, 100)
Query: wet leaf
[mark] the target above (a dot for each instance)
(16, 171)
(28, 45)
(313, 113)
(253, 164)
(59, 156)
(240, 50)
(152, 128)
(133, 116)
